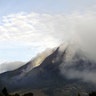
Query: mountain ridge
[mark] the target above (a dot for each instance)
(49, 75)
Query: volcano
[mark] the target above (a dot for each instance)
(58, 72)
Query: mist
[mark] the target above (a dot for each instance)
(79, 29)
(81, 32)
(83, 72)
(9, 66)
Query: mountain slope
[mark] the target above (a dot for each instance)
(33, 75)
(47, 75)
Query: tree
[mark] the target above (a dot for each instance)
(5, 92)
(79, 94)
(28, 94)
(92, 94)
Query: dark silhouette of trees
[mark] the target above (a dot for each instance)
(5, 92)
(28, 94)
(92, 94)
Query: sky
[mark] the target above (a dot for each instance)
(28, 27)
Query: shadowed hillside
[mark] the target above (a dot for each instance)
(46, 78)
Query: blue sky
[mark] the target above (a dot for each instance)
(44, 6)
(16, 45)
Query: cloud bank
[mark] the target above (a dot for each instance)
(29, 29)
(46, 30)
(41, 31)
(4, 67)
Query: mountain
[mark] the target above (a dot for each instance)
(56, 72)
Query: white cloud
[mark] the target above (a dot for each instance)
(28, 29)
(46, 30)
